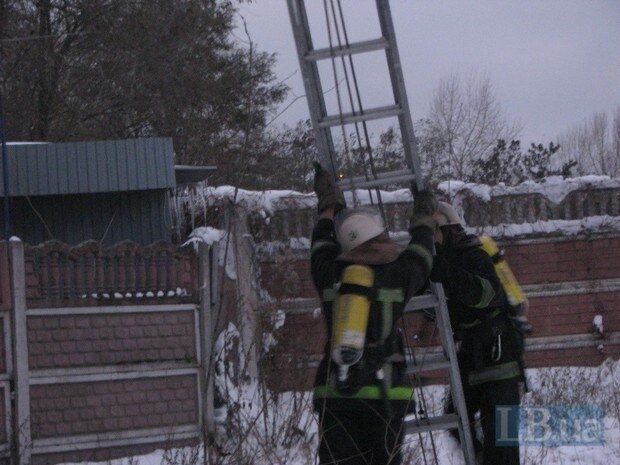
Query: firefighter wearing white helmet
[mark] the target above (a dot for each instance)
(446, 214)
(490, 350)
(354, 227)
(361, 389)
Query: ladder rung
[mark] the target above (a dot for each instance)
(358, 47)
(421, 302)
(345, 184)
(384, 175)
(438, 423)
(428, 365)
(368, 115)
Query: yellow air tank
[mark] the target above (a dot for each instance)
(351, 311)
(504, 273)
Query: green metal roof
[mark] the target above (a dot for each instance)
(89, 167)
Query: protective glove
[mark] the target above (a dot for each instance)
(328, 193)
(424, 206)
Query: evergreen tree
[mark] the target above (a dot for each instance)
(503, 165)
(102, 69)
(537, 162)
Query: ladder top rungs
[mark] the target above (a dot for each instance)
(438, 423)
(367, 115)
(357, 47)
(346, 184)
(380, 175)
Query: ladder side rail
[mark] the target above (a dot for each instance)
(400, 92)
(456, 386)
(327, 155)
(312, 86)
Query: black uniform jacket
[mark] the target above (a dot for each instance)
(478, 312)
(394, 282)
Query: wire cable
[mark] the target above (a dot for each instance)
(361, 109)
(339, 100)
(422, 395)
(352, 104)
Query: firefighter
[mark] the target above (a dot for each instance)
(361, 394)
(490, 350)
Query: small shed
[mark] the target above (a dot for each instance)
(108, 191)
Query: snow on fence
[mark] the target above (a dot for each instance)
(101, 355)
(554, 206)
(531, 202)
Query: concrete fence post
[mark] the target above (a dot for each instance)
(21, 434)
(247, 289)
(206, 256)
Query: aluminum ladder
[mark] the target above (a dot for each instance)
(322, 124)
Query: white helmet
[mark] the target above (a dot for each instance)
(356, 226)
(446, 214)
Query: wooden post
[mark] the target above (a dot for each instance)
(206, 315)
(247, 289)
(22, 439)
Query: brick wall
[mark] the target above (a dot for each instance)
(111, 349)
(59, 410)
(547, 261)
(565, 260)
(87, 340)
(573, 314)
(562, 275)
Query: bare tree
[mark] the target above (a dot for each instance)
(595, 144)
(468, 120)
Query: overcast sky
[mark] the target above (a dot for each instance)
(553, 63)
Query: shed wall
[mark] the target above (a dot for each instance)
(139, 216)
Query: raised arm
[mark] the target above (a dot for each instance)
(325, 247)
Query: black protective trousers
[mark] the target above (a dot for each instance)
(359, 437)
(484, 398)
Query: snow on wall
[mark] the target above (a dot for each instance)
(592, 224)
(554, 188)
(586, 204)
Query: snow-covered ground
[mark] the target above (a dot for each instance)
(263, 428)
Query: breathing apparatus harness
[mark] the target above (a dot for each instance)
(511, 314)
(517, 302)
(359, 361)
